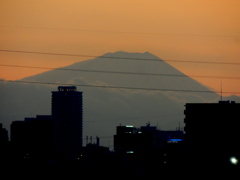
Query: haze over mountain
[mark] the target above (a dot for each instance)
(105, 108)
(130, 62)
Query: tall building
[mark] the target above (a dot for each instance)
(67, 118)
(212, 137)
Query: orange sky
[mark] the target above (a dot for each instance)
(191, 30)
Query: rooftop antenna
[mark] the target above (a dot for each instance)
(148, 124)
(98, 141)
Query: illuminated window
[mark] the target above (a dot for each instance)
(130, 152)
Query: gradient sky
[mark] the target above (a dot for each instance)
(191, 30)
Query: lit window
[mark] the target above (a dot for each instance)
(130, 152)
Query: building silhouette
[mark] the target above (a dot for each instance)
(32, 139)
(148, 152)
(212, 138)
(3, 134)
(130, 139)
(209, 148)
(4, 145)
(67, 120)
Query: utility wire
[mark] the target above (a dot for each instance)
(118, 87)
(122, 32)
(120, 72)
(109, 57)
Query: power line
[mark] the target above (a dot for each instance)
(120, 72)
(45, 53)
(123, 32)
(109, 57)
(118, 87)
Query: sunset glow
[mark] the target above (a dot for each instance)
(206, 31)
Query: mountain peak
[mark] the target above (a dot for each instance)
(130, 69)
(123, 54)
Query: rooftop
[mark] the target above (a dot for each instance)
(67, 88)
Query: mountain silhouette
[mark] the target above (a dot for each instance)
(124, 62)
(105, 108)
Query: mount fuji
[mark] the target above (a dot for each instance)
(149, 90)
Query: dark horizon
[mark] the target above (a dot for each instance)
(54, 142)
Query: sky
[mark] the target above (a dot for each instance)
(185, 30)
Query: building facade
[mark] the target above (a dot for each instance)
(143, 139)
(140, 149)
(32, 138)
(67, 116)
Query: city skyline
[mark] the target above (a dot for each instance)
(172, 63)
(152, 94)
(136, 150)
